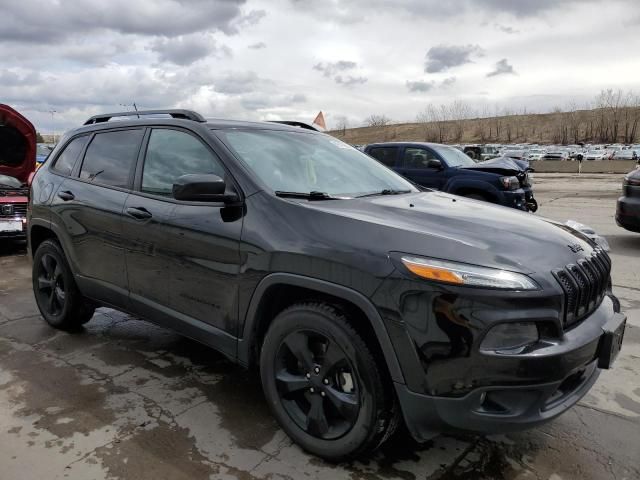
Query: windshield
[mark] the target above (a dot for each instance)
(453, 157)
(302, 162)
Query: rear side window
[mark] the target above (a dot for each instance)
(417, 158)
(67, 159)
(171, 154)
(111, 156)
(385, 155)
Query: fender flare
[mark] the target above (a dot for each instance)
(345, 293)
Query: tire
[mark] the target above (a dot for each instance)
(330, 396)
(60, 302)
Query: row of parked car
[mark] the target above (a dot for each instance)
(553, 152)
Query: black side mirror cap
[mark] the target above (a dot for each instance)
(202, 188)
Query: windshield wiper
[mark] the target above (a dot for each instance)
(386, 191)
(307, 196)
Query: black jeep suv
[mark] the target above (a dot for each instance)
(361, 299)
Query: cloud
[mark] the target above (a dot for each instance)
(502, 68)
(447, 82)
(35, 21)
(443, 57)
(505, 29)
(420, 86)
(356, 11)
(185, 50)
(235, 83)
(349, 80)
(331, 68)
(258, 46)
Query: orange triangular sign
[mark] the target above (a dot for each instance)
(320, 120)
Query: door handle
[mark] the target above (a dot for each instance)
(140, 213)
(66, 195)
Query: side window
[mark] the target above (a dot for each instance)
(67, 159)
(417, 157)
(111, 156)
(171, 154)
(385, 155)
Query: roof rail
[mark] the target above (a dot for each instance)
(306, 126)
(174, 113)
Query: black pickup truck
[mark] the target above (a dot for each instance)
(504, 181)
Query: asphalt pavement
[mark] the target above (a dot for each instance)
(126, 399)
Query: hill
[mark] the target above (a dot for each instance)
(601, 125)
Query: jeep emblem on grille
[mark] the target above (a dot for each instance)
(575, 247)
(7, 209)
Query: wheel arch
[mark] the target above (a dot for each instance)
(485, 189)
(38, 233)
(268, 297)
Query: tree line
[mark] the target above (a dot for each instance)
(612, 117)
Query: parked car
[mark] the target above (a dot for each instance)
(432, 165)
(17, 162)
(625, 155)
(361, 299)
(555, 155)
(596, 155)
(535, 154)
(42, 152)
(481, 152)
(628, 207)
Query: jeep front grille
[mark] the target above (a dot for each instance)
(585, 284)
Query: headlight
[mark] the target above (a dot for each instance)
(510, 183)
(510, 337)
(454, 273)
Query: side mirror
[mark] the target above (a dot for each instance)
(434, 164)
(202, 188)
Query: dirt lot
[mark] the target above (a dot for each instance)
(126, 399)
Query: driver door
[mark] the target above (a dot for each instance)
(414, 165)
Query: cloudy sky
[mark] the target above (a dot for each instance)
(288, 59)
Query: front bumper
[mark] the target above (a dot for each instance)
(544, 383)
(13, 227)
(514, 199)
(628, 213)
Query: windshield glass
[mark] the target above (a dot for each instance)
(453, 157)
(302, 162)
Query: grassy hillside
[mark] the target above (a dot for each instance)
(602, 125)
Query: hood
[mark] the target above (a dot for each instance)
(17, 144)
(444, 226)
(501, 165)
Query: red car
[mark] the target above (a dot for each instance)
(17, 162)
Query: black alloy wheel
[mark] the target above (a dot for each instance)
(317, 384)
(57, 296)
(50, 291)
(327, 389)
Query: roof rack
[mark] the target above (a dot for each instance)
(296, 124)
(175, 113)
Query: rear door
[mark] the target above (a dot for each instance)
(387, 155)
(89, 208)
(414, 166)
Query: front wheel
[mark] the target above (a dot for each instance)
(323, 384)
(57, 296)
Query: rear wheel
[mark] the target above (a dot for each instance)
(323, 384)
(57, 296)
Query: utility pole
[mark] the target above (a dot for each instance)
(53, 130)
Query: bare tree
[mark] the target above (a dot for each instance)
(342, 123)
(377, 120)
